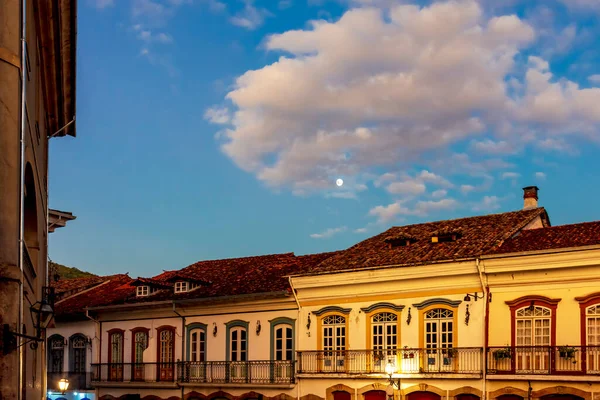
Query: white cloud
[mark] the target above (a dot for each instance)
(465, 189)
(164, 38)
(430, 177)
(510, 175)
(327, 233)
(387, 213)
(540, 175)
(558, 145)
(421, 208)
(349, 73)
(360, 230)
(408, 187)
(488, 203)
(439, 193)
(379, 181)
(372, 90)
(489, 146)
(100, 4)
(218, 115)
(250, 17)
(594, 78)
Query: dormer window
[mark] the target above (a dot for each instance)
(445, 237)
(400, 241)
(143, 291)
(182, 287)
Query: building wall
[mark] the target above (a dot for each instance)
(36, 143)
(67, 330)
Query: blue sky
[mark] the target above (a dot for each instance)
(213, 129)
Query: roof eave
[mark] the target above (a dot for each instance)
(541, 252)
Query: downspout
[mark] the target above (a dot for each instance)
(99, 349)
(182, 342)
(485, 328)
(22, 195)
(297, 331)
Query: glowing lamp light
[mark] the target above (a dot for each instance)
(390, 369)
(63, 385)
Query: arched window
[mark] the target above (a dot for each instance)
(334, 333)
(115, 354)
(77, 353)
(139, 343)
(198, 345)
(56, 354)
(384, 326)
(238, 350)
(284, 339)
(166, 352)
(592, 321)
(439, 328)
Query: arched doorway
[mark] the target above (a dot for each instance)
(341, 395)
(375, 395)
(423, 396)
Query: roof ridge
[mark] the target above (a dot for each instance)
(458, 219)
(569, 225)
(242, 258)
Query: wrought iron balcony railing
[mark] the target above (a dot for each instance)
(238, 372)
(77, 380)
(464, 360)
(544, 360)
(256, 372)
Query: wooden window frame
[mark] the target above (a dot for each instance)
(134, 331)
(113, 332)
(585, 302)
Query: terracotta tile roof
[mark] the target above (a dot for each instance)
(237, 276)
(556, 237)
(477, 236)
(68, 287)
(139, 281)
(113, 289)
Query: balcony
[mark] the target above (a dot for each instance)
(464, 360)
(207, 373)
(544, 360)
(77, 380)
(238, 372)
(134, 372)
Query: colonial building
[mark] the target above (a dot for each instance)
(499, 306)
(37, 97)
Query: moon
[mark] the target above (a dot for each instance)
(339, 182)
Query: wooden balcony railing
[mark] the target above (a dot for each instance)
(544, 360)
(464, 360)
(256, 372)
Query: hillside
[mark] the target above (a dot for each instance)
(65, 272)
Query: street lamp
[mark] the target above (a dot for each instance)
(390, 369)
(63, 385)
(41, 315)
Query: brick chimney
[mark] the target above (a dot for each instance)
(530, 197)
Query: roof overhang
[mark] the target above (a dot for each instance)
(56, 24)
(58, 219)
